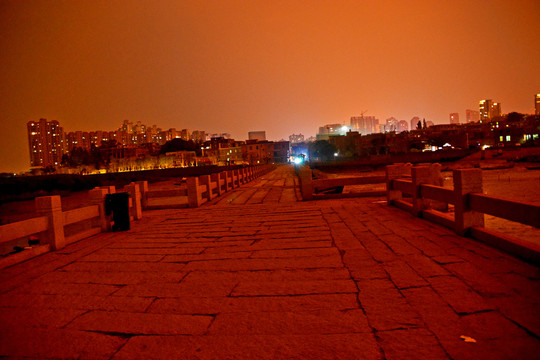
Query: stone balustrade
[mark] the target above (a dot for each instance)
(51, 221)
(418, 189)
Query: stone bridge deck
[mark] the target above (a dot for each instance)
(256, 274)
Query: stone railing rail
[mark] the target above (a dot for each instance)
(201, 189)
(310, 188)
(418, 190)
(50, 224)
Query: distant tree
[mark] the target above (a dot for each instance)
(78, 157)
(419, 125)
(180, 145)
(322, 149)
(438, 141)
(514, 117)
(425, 126)
(416, 145)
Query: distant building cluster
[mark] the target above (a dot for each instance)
(137, 146)
(364, 135)
(366, 125)
(510, 130)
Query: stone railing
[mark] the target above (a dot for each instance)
(311, 189)
(201, 189)
(49, 227)
(50, 224)
(418, 190)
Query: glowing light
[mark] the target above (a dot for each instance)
(344, 128)
(298, 160)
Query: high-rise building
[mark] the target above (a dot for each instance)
(402, 125)
(537, 104)
(391, 124)
(46, 143)
(454, 118)
(472, 116)
(365, 124)
(489, 109)
(257, 135)
(127, 126)
(414, 123)
(198, 135)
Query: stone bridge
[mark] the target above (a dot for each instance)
(258, 274)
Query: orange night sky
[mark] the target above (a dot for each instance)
(237, 66)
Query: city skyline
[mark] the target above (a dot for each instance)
(233, 67)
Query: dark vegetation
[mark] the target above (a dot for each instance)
(13, 188)
(376, 161)
(181, 145)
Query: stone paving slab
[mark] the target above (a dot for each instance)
(257, 274)
(313, 346)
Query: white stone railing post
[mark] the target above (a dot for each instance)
(393, 172)
(135, 194)
(51, 207)
(236, 179)
(216, 178)
(223, 178)
(466, 181)
(420, 175)
(228, 180)
(205, 180)
(306, 183)
(143, 188)
(97, 197)
(193, 192)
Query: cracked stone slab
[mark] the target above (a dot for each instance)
(298, 323)
(271, 347)
(142, 323)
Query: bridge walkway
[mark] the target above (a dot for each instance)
(258, 274)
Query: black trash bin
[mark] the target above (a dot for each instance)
(118, 205)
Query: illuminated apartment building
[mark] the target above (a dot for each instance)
(537, 104)
(46, 143)
(365, 124)
(489, 109)
(454, 118)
